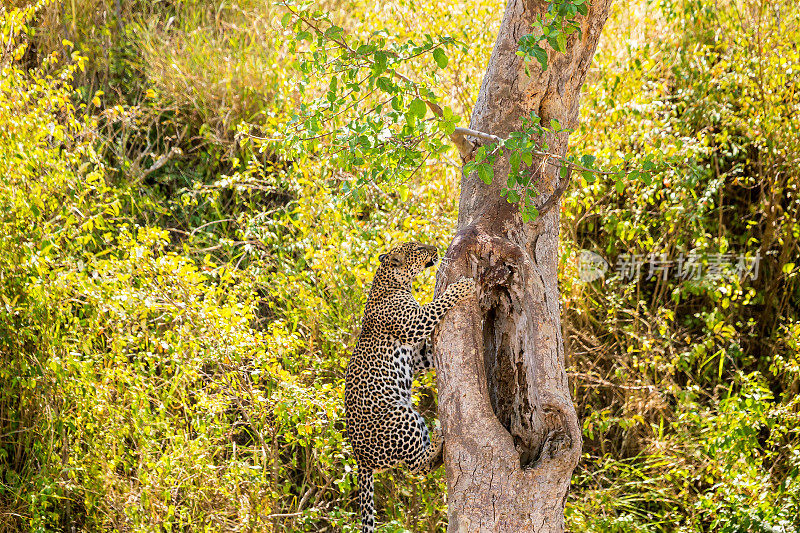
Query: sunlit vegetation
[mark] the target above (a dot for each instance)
(177, 303)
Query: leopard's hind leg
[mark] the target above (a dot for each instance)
(424, 458)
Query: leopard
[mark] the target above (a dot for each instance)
(383, 427)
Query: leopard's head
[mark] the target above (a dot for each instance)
(402, 263)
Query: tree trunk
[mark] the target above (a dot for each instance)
(512, 437)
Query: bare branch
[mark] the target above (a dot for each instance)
(563, 184)
(463, 132)
(163, 160)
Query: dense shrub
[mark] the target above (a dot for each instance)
(686, 388)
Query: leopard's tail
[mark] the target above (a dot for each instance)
(366, 499)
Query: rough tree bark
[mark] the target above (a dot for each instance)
(512, 437)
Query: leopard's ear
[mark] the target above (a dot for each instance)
(393, 259)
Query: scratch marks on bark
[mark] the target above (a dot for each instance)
(460, 471)
(494, 498)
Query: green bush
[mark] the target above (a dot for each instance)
(688, 399)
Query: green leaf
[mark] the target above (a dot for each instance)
(529, 213)
(514, 160)
(527, 158)
(572, 10)
(787, 267)
(403, 190)
(588, 160)
(286, 19)
(619, 186)
(562, 42)
(397, 103)
(384, 84)
(541, 56)
(485, 173)
(440, 57)
(380, 58)
(589, 176)
(418, 108)
(333, 31)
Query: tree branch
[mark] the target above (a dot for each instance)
(459, 137)
(463, 132)
(163, 160)
(563, 184)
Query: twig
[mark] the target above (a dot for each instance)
(557, 193)
(161, 161)
(255, 242)
(198, 228)
(313, 26)
(600, 381)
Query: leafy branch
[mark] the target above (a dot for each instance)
(391, 133)
(524, 148)
(554, 28)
